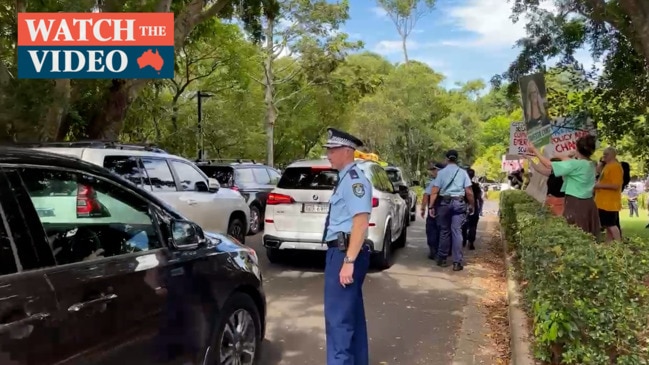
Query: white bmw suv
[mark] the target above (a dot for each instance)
(175, 180)
(297, 208)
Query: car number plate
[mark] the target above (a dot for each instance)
(316, 208)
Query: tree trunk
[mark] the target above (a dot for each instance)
(56, 111)
(269, 94)
(109, 122)
(405, 49)
(174, 112)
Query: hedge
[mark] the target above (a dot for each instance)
(588, 303)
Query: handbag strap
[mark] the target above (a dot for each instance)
(451, 182)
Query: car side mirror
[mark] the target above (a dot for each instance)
(186, 235)
(213, 185)
(403, 189)
(415, 182)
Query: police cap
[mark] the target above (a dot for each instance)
(452, 155)
(337, 138)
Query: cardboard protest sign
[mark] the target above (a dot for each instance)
(517, 139)
(537, 121)
(566, 132)
(510, 165)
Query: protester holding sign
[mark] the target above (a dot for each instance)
(578, 184)
(555, 196)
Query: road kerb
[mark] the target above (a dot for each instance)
(518, 329)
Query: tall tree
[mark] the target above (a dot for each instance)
(405, 14)
(296, 27)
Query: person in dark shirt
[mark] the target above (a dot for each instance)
(554, 198)
(516, 179)
(470, 225)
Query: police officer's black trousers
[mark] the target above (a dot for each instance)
(470, 227)
(432, 236)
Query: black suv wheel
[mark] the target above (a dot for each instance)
(238, 229)
(238, 334)
(256, 220)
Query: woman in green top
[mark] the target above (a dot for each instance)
(578, 175)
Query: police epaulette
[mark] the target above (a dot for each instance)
(353, 174)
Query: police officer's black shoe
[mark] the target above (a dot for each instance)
(471, 246)
(457, 266)
(432, 256)
(442, 263)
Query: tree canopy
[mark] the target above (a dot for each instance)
(280, 72)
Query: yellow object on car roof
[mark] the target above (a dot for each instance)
(370, 157)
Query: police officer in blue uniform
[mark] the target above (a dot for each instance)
(348, 257)
(452, 186)
(432, 231)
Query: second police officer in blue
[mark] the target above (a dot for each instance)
(448, 197)
(348, 257)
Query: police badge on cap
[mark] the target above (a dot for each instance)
(336, 138)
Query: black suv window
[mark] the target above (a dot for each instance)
(243, 176)
(394, 175)
(128, 167)
(274, 176)
(308, 178)
(86, 218)
(160, 177)
(261, 175)
(7, 258)
(223, 174)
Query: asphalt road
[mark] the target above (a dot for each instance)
(416, 311)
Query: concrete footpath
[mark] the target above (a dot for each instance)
(417, 312)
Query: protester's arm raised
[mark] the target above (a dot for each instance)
(544, 160)
(540, 168)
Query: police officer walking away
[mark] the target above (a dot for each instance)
(348, 257)
(432, 230)
(470, 226)
(453, 186)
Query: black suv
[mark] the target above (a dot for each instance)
(94, 270)
(396, 177)
(253, 180)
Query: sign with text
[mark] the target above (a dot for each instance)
(566, 132)
(95, 45)
(517, 139)
(510, 165)
(535, 110)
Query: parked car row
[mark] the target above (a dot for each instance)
(122, 254)
(297, 209)
(98, 269)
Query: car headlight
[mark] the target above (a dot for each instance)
(253, 255)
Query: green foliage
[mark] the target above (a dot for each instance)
(588, 302)
(614, 31)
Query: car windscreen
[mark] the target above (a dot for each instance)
(223, 174)
(308, 178)
(394, 175)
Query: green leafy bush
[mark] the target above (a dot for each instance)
(589, 302)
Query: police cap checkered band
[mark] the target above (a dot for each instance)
(337, 138)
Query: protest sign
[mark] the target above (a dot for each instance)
(537, 121)
(517, 139)
(510, 165)
(566, 132)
